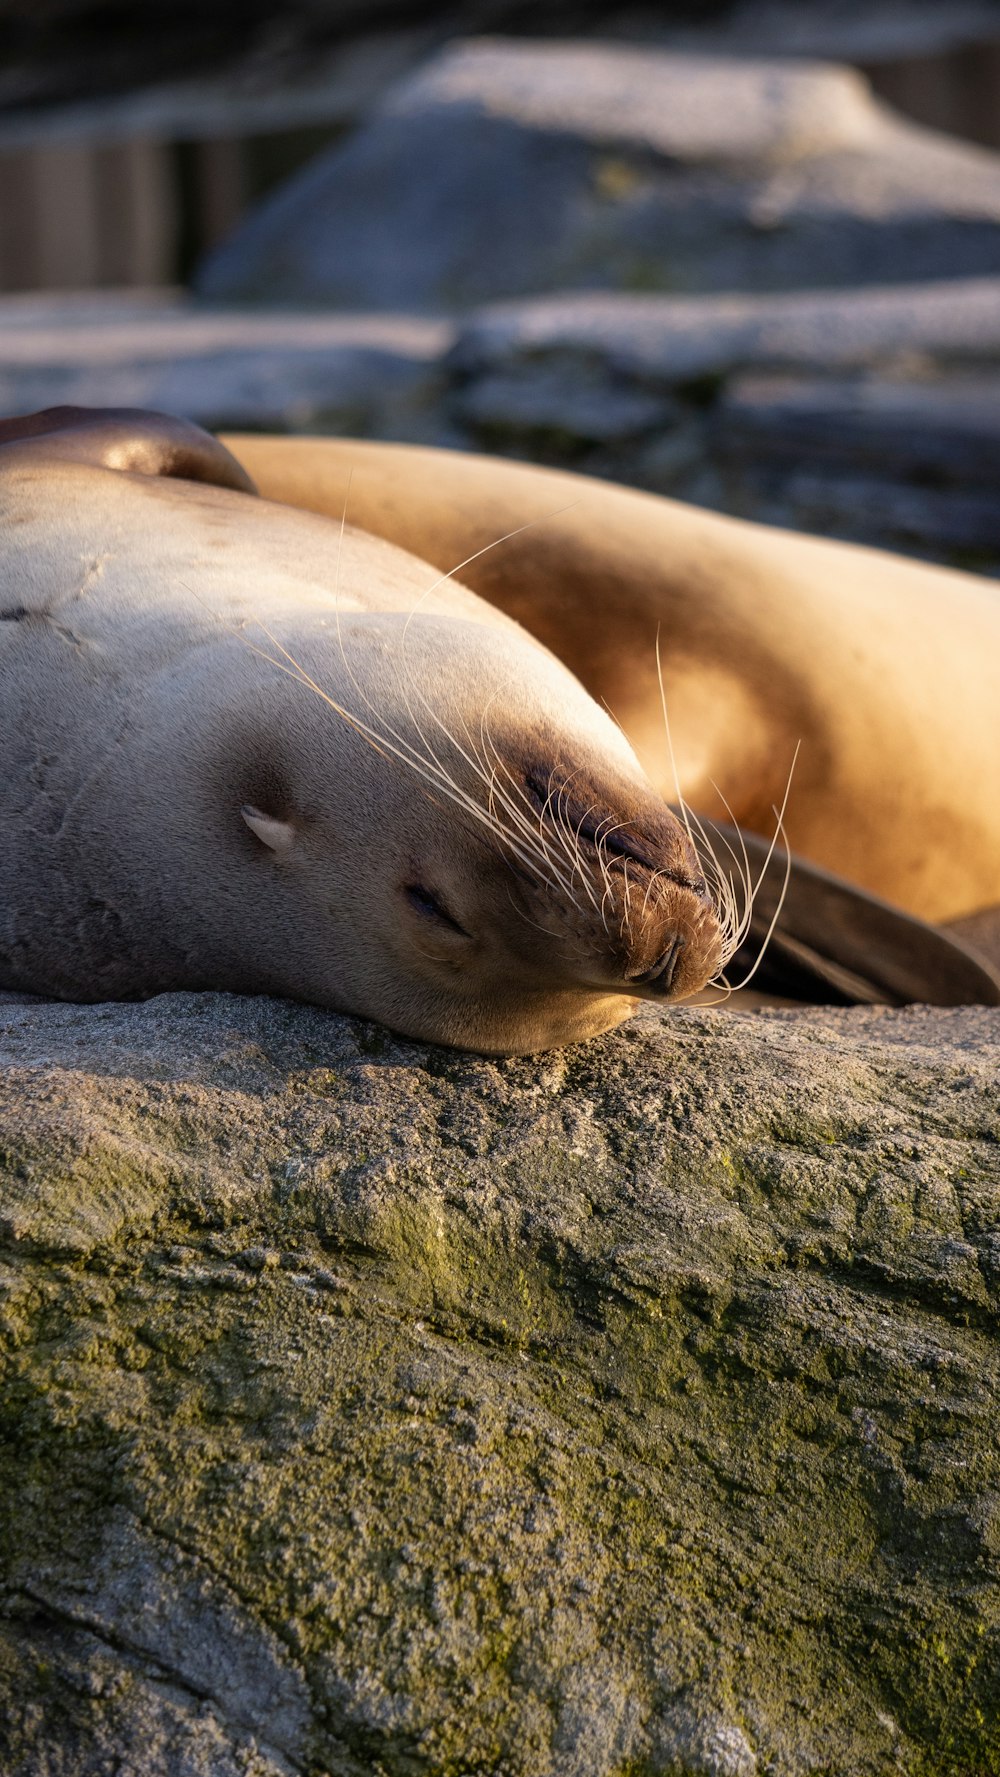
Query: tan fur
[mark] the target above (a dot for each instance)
(885, 669)
(203, 702)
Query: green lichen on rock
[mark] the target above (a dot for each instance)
(628, 1411)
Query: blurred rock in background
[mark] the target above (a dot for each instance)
(682, 251)
(505, 168)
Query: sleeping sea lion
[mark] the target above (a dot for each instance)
(243, 747)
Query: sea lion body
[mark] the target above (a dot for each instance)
(883, 671)
(211, 708)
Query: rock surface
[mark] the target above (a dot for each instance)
(507, 168)
(919, 461)
(369, 1408)
(671, 341)
(350, 373)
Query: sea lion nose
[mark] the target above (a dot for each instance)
(660, 978)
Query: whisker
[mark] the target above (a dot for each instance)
(546, 518)
(779, 816)
(734, 919)
(670, 740)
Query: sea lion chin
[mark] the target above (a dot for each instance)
(247, 749)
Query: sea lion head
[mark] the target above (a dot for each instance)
(466, 845)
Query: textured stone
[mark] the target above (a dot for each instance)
(663, 342)
(918, 461)
(866, 414)
(360, 374)
(508, 168)
(939, 430)
(948, 524)
(869, 413)
(683, 109)
(371, 1408)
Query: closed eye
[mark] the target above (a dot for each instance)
(426, 904)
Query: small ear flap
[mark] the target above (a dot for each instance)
(126, 438)
(278, 836)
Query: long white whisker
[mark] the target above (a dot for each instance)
(521, 820)
(427, 769)
(779, 814)
(670, 741)
(546, 518)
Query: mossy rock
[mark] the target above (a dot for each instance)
(369, 1408)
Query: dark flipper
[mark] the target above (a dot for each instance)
(980, 932)
(836, 944)
(126, 438)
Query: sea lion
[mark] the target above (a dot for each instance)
(243, 747)
(883, 669)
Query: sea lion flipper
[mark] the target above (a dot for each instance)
(132, 439)
(835, 942)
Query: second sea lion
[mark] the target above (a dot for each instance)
(884, 669)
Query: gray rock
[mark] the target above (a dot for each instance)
(916, 464)
(369, 1407)
(508, 168)
(664, 342)
(940, 431)
(684, 109)
(367, 375)
(940, 524)
(866, 414)
(570, 404)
